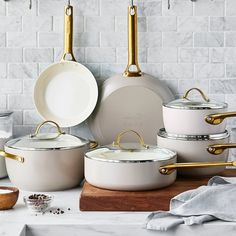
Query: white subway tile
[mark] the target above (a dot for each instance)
(37, 23)
(177, 71)
(177, 8)
(121, 24)
(20, 102)
(100, 24)
(230, 55)
(109, 70)
(192, 24)
(173, 39)
(3, 102)
(79, 54)
(152, 69)
(230, 7)
(11, 55)
(230, 39)
(226, 86)
(209, 39)
(9, 86)
(186, 84)
(217, 55)
(209, 8)
(113, 39)
(162, 23)
(87, 39)
(50, 39)
(28, 86)
(19, 39)
(114, 7)
(31, 117)
(100, 55)
(149, 39)
(23, 71)
(17, 117)
(149, 7)
(2, 39)
(38, 55)
(223, 24)
(2, 8)
(122, 55)
(162, 55)
(10, 23)
(20, 8)
(231, 70)
(194, 55)
(3, 70)
(215, 70)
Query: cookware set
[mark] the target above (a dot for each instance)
(66, 94)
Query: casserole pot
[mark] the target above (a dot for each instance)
(197, 148)
(130, 168)
(45, 162)
(195, 117)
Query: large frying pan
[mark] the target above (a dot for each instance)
(66, 92)
(130, 101)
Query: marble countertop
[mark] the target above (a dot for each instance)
(19, 221)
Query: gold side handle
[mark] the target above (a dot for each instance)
(93, 144)
(217, 149)
(68, 33)
(205, 98)
(216, 119)
(59, 131)
(168, 169)
(132, 44)
(117, 142)
(11, 156)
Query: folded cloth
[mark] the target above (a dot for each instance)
(206, 203)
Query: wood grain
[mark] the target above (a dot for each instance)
(95, 199)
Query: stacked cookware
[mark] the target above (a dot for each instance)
(196, 129)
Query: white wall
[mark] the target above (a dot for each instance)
(192, 44)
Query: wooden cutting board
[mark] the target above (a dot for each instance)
(95, 199)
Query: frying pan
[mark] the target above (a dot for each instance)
(130, 101)
(66, 92)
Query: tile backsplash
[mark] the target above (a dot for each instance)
(191, 44)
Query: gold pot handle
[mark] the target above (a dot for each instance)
(117, 142)
(168, 169)
(216, 119)
(132, 44)
(68, 33)
(11, 156)
(93, 144)
(205, 98)
(59, 131)
(217, 149)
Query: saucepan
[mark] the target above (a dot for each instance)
(197, 148)
(129, 167)
(195, 117)
(46, 161)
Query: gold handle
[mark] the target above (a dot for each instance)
(217, 149)
(200, 91)
(168, 169)
(68, 33)
(117, 142)
(11, 156)
(216, 119)
(93, 144)
(60, 132)
(132, 44)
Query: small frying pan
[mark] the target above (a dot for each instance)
(130, 101)
(66, 92)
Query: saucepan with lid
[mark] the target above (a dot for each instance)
(46, 161)
(129, 167)
(195, 117)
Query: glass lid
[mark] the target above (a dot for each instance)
(162, 133)
(195, 104)
(130, 152)
(47, 141)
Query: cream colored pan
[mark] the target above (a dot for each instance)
(130, 101)
(66, 92)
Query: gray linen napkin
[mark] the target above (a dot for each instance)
(206, 203)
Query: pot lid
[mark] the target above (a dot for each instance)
(5, 113)
(152, 154)
(162, 133)
(47, 141)
(195, 104)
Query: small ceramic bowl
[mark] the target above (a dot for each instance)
(8, 197)
(38, 205)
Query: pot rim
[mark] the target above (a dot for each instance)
(172, 157)
(10, 144)
(183, 137)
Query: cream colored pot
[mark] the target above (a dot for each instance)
(46, 162)
(195, 117)
(197, 148)
(131, 168)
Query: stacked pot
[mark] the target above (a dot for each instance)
(196, 130)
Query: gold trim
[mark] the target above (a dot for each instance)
(60, 132)
(200, 91)
(217, 149)
(168, 169)
(216, 119)
(68, 33)
(132, 44)
(117, 142)
(11, 156)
